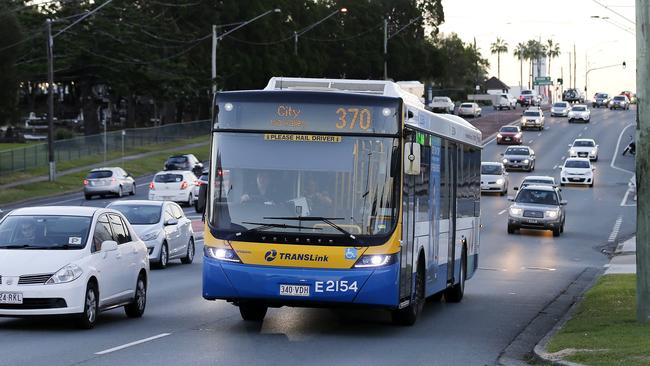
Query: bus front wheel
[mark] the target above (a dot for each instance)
(409, 314)
(251, 311)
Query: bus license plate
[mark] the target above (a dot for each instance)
(11, 298)
(294, 290)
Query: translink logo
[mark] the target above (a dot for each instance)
(272, 254)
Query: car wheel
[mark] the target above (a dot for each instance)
(88, 197)
(409, 314)
(133, 190)
(190, 200)
(163, 258)
(556, 231)
(120, 193)
(136, 308)
(189, 257)
(596, 158)
(591, 185)
(562, 227)
(456, 292)
(88, 318)
(252, 311)
(511, 229)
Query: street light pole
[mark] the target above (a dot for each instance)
(598, 68)
(385, 48)
(299, 33)
(216, 38)
(50, 101)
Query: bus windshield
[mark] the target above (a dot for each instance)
(268, 181)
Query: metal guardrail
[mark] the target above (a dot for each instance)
(36, 156)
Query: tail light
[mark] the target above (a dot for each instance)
(184, 185)
(85, 182)
(151, 186)
(197, 183)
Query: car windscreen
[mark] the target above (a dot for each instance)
(98, 174)
(509, 129)
(531, 114)
(579, 109)
(526, 92)
(177, 160)
(601, 95)
(439, 99)
(466, 105)
(536, 181)
(517, 151)
(559, 105)
(619, 98)
(140, 214)
(168, 178)
(537, 196)
(44, 232)
(576, 164)
(583, 144)
(491, 169)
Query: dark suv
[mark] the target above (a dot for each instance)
(184, 162)
(573, 96)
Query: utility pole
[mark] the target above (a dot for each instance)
(642, 162)
(214, 59)
(295, 43)
(570, 77)
(50, 101)
(385, 48)
(575, 61)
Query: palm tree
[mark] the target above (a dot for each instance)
(499, 47)
(552, 51)
(535, 50)
(520, 53)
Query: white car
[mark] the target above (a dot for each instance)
(442, 104)
(584, 148)
(533, 117)
(163, 227)
(504, 100)
(577, 171)
(579, 112)
(537, 180)
(173, 185)
(494, 177)
(469, 109)
(71, 260)
(561, 109)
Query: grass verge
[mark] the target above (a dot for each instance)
(13, 145)
(97, 159)
(73, 182)
(604, 331)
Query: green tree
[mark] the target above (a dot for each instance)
(520, 53)
(498, 47)
(11, 35)
(552, 51)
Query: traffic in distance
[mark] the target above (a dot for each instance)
(362, 208)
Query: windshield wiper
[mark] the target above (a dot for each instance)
(265, 226)
(327, 220)
(20, 246)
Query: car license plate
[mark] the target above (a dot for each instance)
(294, 290)
(532, 221)
(507, 139)
(11, 298)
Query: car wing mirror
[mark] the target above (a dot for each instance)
(563, 202)
(515, 188)
(511, 198)
(170, 222)
(109, 246)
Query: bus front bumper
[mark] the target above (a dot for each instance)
(240, 282)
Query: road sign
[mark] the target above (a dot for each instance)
(542, 82)
(542, 78)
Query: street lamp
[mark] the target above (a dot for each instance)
(624, 64)
(50, 82)
(299, 33)
(389, 36)
(216, 39)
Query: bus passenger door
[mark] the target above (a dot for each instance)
(408, 230)
(452, 164)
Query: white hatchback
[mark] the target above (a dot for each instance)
(494, 177)
(173, 185)
(71, 260)
(577, 171)
(584, 148)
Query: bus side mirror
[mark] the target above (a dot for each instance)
(394, 162)
(411, 158)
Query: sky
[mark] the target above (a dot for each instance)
(567, 22)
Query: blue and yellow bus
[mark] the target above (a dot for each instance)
(339, 192)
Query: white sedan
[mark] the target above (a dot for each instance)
(584, 148)
(469, 109)
(173, 185)
(71, 260)
(163, 227)
(577, 171)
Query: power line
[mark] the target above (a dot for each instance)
(269, 43)
(346, 38)
(20, 42)
(82, 18)
(615, 12)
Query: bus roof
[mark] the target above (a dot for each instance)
(445, 125)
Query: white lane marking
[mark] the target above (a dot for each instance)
(562, 158)
(554, 167)
(615, 229)
(502, 212)
(580, 134)
(539, 134)
(618, 145)
(585, 128)
(161, 335)
(631, 189)
(530, 142)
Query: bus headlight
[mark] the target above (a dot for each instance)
(221, 254)
(375, 260)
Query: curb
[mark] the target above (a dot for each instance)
(536, 334)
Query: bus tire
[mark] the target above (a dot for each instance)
(409, 314)
(456, 292)
(252, 311)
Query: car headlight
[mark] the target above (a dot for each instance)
(375, 260)
(526, 161)
(523, 120)
(500, 181)
(150, 236)
(222, 254)
(515, 211)
(505, 161)
(551, 214)
(499, 135)
(572, 151)
(593, 151)
(66, 274)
